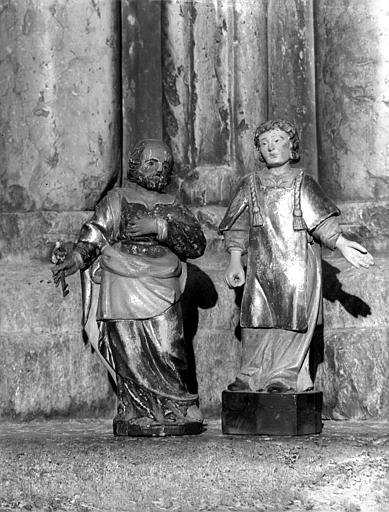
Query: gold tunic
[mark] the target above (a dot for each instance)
(275, 292)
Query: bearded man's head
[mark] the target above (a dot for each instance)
(150, 164)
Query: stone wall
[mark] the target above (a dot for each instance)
(221, 69)
(60, 103)
(226, 67)
(352, 72)
(60, 146)
(352, 65)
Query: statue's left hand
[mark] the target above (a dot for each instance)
(143, 226)
(354, 252)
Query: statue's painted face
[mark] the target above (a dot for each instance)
(275, 146)
(150, 165)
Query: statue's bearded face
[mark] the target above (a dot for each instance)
(150, 164)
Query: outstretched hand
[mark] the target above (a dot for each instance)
(354, 252)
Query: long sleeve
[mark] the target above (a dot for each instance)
(235, 224)
(237, 237)
(99, 230)
(316, 206)
(184, 235)
(328, 232)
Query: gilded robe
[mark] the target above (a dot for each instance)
(280, 222)
(138, 305)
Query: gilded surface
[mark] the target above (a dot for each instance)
(134, 251)
(275, 290)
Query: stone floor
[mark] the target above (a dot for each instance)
(69, 465)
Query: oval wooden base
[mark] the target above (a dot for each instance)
(126, 428)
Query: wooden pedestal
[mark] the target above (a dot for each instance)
(274, 414)
(126, 428)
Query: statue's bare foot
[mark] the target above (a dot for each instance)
(238, 385)
(193, 413)
(278, 387)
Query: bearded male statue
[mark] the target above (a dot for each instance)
(132, 255)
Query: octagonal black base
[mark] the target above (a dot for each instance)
(277, 414)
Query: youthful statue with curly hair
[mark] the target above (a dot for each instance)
(280, 218)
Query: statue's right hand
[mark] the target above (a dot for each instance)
(235, 276)
(71, 264)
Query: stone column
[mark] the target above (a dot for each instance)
(291, 71)
(215, 90)
(60, 144)
(250, 91)
(60, 103)
(352, 65)
(352, 69)
(177, 74)
(141, 73)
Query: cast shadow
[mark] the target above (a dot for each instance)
(199, 292)
(333, 292)
(238, 302)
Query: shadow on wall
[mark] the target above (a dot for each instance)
(199, 292)
(333, 292)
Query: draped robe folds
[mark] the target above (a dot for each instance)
(140, 281)
(281, 302)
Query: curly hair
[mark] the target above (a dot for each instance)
(286, 127)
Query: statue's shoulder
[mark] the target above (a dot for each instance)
(307, 178)
(249, 176)
(115, 193)
(244, 182)
(315, 202)
(310, 186)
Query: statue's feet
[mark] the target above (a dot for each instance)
(194, 414)
(238, 385)
(125, 413)
(278, 387)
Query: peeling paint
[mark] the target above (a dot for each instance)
(96, 7)
(4, 4)
(17, 199)
(171, 124)
(53, 160)
(100, 143)
(41, 112)
(170, 88)
(224, 114)
(131, 20)
(242, 127)
(111, 41)
(28, 22)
